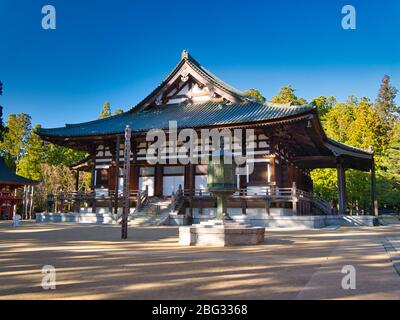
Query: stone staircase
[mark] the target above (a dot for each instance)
(154, 212)
(322, 205)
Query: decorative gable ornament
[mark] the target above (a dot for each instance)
(185, 75)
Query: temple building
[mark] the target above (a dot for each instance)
(14, 190)
(288, 142)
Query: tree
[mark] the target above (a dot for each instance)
(365, 129)
(338, 121)
(255, 94)
(58, 155)
(118, 111)
(30, 165)
(54, 179)
(15, 139)
(323, 104)
(286, 95)
(106, 111)
(2, 128)
(393, 159)
(385, 104)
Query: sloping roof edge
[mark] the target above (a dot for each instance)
(11, 178)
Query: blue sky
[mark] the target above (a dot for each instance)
(120, 50)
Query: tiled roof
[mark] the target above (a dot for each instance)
(187, 115)
(9, 177)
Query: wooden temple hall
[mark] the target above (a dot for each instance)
(289, 142)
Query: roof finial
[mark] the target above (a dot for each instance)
(185, 54)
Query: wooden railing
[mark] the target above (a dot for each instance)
(75, 200)
(301, 200)
(142, 198)
(177, 199)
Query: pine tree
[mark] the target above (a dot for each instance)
(286, 95)
(385, 104)
(30, 165)
(255, 94)
(106, 111)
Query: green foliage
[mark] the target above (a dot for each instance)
(16, 137)
(2, 128)
(323, 104)
(393, 152)
(118, 111)
(362, 124)
(106, 111)
(255, 94)
(324, 182)
(385, 103)
(30, 165)
(286, 95)
(58, 155)
(338, 121)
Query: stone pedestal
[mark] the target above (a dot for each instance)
(220, 233)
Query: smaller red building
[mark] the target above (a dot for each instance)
(9, 183)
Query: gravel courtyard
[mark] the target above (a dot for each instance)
(92, 262)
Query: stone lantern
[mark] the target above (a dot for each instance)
(221, 231)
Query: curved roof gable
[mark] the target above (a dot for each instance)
(189, 79)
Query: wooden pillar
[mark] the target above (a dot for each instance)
(191, 187)
(116, 187)
(294, 198)
(158, 180)
(290, 173)
(374, 201)
(272, 166)
(267, 202)
(135, 168)
(31, 203)
(77, 180)
(93, 180)
(186, 186)
(341, 188)
(24, 202)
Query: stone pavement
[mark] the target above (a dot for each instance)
(392, 246)
(92, 262)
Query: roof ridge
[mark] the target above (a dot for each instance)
(338, 143)
(288, 105)
(72, 125)
(186, 56)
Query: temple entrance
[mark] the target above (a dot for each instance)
(172, 177)
(146, 180)
(171, 184)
